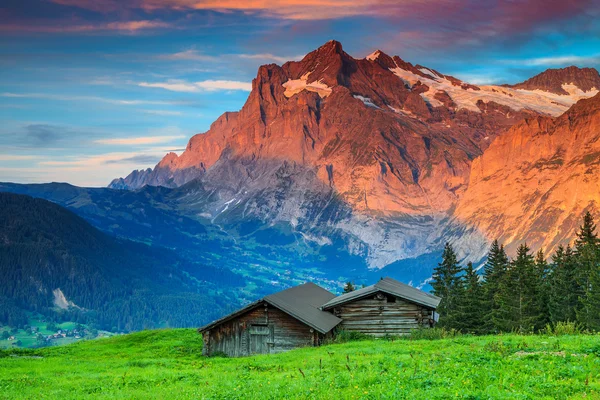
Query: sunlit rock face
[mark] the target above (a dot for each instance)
(382, 148)
(535, 181)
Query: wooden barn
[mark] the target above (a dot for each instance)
(282, 321)
(305, 315)
(386, 308)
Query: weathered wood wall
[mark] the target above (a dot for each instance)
(381, 315)
(264, 329)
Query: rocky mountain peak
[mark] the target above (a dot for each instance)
(563, 81)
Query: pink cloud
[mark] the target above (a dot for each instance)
(75, 26)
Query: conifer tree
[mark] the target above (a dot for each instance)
(563, 288)
(540, 291)
(587, 256)
(447, 284)
(471, 302)
(349, 287)
(493, 272)
(517, 305)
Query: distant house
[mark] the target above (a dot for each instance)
(305, 315)
(278, 322)
(387, 308)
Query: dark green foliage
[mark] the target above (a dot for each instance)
(493, 273)
(563, 290)
(518, 296)
(527, 294)
(112, 282)
(447, 284)
(349, 287)
(541, 288)
(471, 302)
(587, 256)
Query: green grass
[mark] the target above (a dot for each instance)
(167, 364)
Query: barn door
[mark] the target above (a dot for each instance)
(260, 339)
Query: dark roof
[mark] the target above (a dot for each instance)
(302, 302)
(389, 286)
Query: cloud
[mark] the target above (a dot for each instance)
(188, 55)
(136, 25)
(173, 85)
(162, 112)
(143, 140)
(559, 60)
(11, 157)
(286, 9)
(48, 96)
(137, 159)
(66, 27)
(271, 57)
(193, 87)
(93, 170)
(41, 135)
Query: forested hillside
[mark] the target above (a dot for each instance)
(55, 263)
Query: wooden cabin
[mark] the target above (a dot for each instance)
(305, 315)
(282, 321)
(387, 308)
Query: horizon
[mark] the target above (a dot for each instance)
(123, 83)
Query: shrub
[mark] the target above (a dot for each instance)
(432, 334)
(344, 336)
(563, 328)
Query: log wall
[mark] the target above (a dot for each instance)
(262, 330)
(383, 315)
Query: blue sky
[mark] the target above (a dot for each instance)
(91, 89)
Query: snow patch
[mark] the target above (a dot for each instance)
(295, 86)
(517, 99)
(373, 56)
(367, 101)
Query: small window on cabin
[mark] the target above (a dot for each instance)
(391, 299)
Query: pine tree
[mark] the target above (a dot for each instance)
(447, 284)
(540, 291)
(349, 287)
(587, 256)
(591, 302)
(563, 290)
(516, 298)
(471, 301)
(493, 272)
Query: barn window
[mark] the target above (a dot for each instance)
(391, 299)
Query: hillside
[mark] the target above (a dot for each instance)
(167, 364)
(55, 263)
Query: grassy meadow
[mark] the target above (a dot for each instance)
(167, 364)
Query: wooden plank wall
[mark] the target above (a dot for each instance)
(378, 315)
(234, 337)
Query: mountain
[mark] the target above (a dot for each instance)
(373, 153)
(535, 181)
(55, 263)
(563, 81)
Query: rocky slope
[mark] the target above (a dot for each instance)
(376, 151)
(535, 182)
(563, 81)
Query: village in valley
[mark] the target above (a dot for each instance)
(41, 332)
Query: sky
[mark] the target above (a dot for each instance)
(92, 89)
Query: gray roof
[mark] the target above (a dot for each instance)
(302, 302)
(389, 286)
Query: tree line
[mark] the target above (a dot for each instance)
(524, 294)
